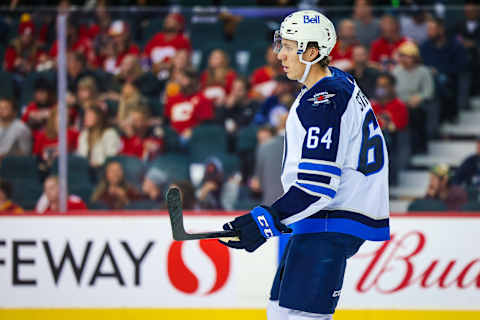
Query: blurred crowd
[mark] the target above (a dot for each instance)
(144, 114)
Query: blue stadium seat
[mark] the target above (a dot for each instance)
(427, 205)
(175, 165)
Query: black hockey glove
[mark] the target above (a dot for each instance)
(255, 228)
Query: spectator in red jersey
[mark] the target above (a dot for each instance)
(49, 201)
(15, 136)
(46, 143)
(140, 139)
(121, 46)
(36, 113)
(365, 75)
(113, 190)
(384, 48)
(415, 86)
(24, 54)
(7, 205)
(188, 108)
(217, 79)
(164, 45)
(391, 112)
(343, 50)
(76, 42)
(263, 79)
(97, 142)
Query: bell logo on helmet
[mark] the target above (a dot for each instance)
(307, 19)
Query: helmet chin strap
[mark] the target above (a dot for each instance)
(308, 66)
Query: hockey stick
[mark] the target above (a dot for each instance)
(174, 205)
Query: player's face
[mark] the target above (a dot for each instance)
(291, 64)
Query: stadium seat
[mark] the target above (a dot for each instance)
(427, 205)
(98, 205)
(26, 192)
(28, 85)
(207, 139)
(244, 201)
(246, 139)
(143, 205)
(153, 27)
(78, 169)
(83, 190)
(471, 206)
(133, 168)
(20, 167)
(175, 165)
(6, 79)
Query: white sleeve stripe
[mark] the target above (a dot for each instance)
(318, 184)
(313, 193)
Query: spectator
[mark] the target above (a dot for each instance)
(276, 105)
(384, 48)
(36, 113)
(468, 174)
(49, 201)
(392, 115)
(217, 80)
(238, 110)
(140, 139)
(441, 188)
(113, 190)
(391, 112)
(468, 32)
(365, 75)
(366, 26)
(121, 46)
(154, 184)
(24, 54)
(76, 70)
(266, 133)
(263, 79)
(180, 62)
(414, 24)
(97, 142)
(87, 93)
(164, 45)
(46, 143)
(210, 191)
(7, 205)
(414, 86)
(15, 137)
(130, 99)
(77, 43)
(448, 60)
(268, 168)
(188, 108)
(343, 50)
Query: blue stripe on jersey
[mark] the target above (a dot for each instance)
(319, 189)
(337, 214)
(293, 202)
(320, 167)
(347, 226)
(314, 177)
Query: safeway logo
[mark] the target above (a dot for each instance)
(184, 256)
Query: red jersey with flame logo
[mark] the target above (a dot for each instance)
(186, 112)
(262, 82)
(217, 91)
(159, 49)
(46, 147)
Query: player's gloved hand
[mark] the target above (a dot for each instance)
(255, 228)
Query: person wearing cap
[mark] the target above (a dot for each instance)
(468, 174)
(121, 46)
(415, 86)
(441, 188)
(162, 46)
(24, 53)
(154, 183)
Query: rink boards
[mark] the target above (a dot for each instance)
(127, 267)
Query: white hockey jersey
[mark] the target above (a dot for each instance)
(335, 163)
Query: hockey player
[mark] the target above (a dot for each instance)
(335, 177)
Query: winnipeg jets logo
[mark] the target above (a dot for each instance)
(321, 98)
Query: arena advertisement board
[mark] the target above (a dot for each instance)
(112, 262)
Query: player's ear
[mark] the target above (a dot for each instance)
(311, 53)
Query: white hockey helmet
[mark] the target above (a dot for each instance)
(306, 26)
